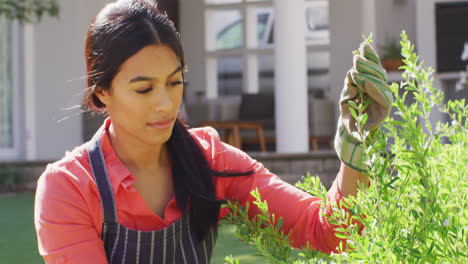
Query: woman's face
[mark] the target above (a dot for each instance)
(144, 98)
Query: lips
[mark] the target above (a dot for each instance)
(161, 124)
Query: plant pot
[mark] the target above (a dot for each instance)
(391, 65)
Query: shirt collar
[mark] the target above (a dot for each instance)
(118, 173)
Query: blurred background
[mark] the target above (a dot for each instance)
(272, 68)
(230, 48)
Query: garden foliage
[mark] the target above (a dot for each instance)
(28, 10)
(415, 210)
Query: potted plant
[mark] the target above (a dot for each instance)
(391, 55)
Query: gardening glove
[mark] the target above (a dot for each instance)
(368, 76)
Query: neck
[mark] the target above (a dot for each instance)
(136, 155)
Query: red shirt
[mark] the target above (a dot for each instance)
(69, 217)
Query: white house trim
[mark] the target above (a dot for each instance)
(250, 80)
(29, 92)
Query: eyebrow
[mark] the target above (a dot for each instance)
(145, 78)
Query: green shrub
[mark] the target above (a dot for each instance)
(416, 207)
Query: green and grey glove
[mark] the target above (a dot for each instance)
(368, 76)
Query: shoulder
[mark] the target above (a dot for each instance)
(221, 156)
(206, 137)
(72, 170)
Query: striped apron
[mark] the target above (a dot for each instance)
(172, 245)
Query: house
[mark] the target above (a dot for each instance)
(42, 66)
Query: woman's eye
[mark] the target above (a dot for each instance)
(175, 83)
(144, 91)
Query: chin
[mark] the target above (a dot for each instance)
(159, 139)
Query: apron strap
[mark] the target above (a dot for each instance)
(101, 176)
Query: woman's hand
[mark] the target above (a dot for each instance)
(366, 77)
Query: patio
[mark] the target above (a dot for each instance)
(248, 121)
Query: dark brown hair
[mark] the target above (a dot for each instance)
(118, 32)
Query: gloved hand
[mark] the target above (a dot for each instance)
(368, 76)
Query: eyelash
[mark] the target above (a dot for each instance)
(175, 83)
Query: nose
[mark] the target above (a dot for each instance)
(162, 101)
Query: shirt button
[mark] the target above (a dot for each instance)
(62, 260)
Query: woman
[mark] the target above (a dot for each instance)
(146, 189)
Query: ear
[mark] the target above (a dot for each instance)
(102, 95)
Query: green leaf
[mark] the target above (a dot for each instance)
(333, 222)
(392, 181)
(368, 40)
(279, 224)
(415, 214)
(341, 235)
(353, 113)
(353, 104)
(364, 119)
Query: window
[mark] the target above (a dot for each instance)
(451, 35)
(317, 22)
(231, 36)
(8, 90)
(229, 28)
(239, 46)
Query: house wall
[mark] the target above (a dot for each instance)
(393, 17)
(345, 36)
(192, 30)
(54, 83)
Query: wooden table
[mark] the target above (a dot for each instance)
(232, 128)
